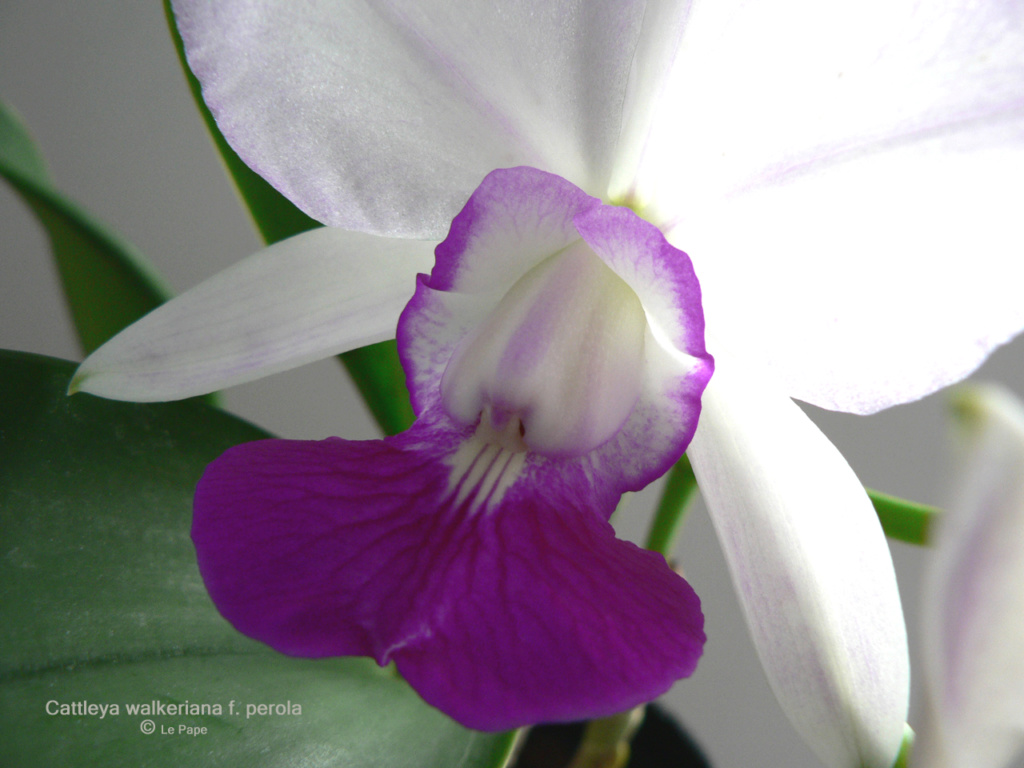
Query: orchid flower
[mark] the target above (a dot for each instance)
(844, 178)
(974, 597)
(556, 359)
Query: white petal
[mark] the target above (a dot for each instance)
(811, 568)
(311, 296)
(974, 597)
(384, 116)
(873, 282)
(865, 165)
(759, 89)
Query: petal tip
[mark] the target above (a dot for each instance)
(75, 385)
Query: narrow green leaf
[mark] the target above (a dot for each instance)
(668, 519)
(904, 520)
(107, 282)
(274, 216)
(17, 150)
(103, 604)
(375, 369)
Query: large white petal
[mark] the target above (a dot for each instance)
(810, 565)
(760, 89)
(314, 295)
(850, 175)
(974, 597)
(873, 282)
(383, 116)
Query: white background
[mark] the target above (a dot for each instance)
(99, 86)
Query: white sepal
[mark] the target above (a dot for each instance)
(314, 295)
(383, 117)
(811, 568)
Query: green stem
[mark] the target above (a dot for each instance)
(903, 758)
(668, 519)
(606, 741)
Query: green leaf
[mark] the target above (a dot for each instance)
(377, 372)
(107, 283)
(904, 520)
(102, 603)
(273, 214)
(375, 369)
(17, 150)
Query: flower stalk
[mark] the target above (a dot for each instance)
(680, 487)
(606, 741)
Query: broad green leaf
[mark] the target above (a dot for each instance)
(904, 520)
(375, 369)
(107, 283)
(102, 603)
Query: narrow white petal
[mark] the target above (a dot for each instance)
(384, 116)
(311, 296)
(974, 596)
(810, 565)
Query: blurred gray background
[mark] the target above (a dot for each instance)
(99, 86)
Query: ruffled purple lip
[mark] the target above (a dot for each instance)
(524, 611)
